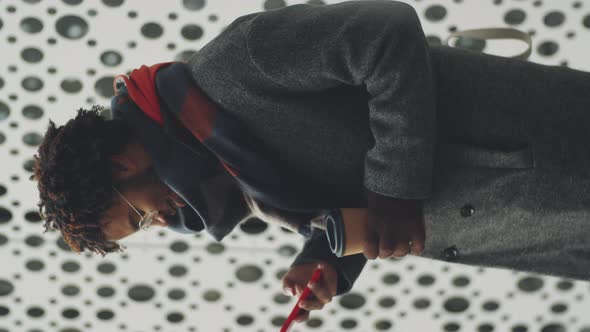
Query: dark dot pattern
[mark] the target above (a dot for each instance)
(352, 301)
(112, 3)
(111, 58)
(141, 293)
(253, 226)
(191, 32)
(193, 4)
(530, 284)
(4, 111)
(71, 27)
(547, 48)
(435, 13)
(476, 45)
(31, 25)
(104, 86)
(177, 280)
(72, 2)
(456, 304)
(32, 83)
(515, 16)
(152, 30)
(554, 18)
(32, 112)
(105, 291)
(32, 54)
(71, 85)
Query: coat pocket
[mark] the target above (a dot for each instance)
(463, 154)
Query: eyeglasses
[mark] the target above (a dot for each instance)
(146, 220)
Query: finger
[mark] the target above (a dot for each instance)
(321, 291)
(289, 291)
(371, 241)
(417, 247)
(418, 239)
(309, 304)
(387, 243)
(302, 316)
(417, 236)
(401, 249)
(402, 238)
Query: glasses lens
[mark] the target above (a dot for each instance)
(147, 219)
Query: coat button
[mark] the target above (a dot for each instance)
(450, 254)
(467, 210)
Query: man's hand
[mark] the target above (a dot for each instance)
(392, 224)
(296, 279)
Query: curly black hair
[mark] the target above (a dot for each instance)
(74, 175)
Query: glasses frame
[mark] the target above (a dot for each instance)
(145, 220)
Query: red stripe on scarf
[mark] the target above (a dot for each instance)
(198, 111)
(141, 86)
(200, 123)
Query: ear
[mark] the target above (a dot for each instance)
(123, 166)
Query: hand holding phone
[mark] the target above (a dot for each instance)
(324, 284)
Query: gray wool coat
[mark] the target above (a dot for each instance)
(352, 95)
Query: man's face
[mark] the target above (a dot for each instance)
(146, 192)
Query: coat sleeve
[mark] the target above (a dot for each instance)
(316, 248)
(378, 44)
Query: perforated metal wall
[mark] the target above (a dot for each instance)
(58, 56)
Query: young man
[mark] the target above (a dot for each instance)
(293, 111)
